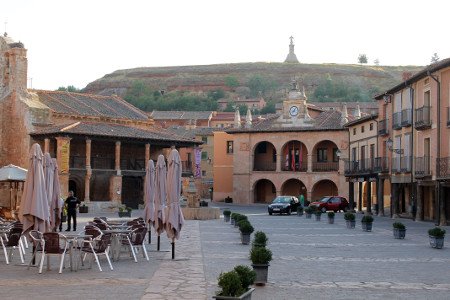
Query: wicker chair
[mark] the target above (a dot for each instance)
(135, 240)
(97, 246)
(51, 245)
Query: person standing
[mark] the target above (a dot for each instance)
(72, 203)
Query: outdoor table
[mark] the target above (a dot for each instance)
(115, 241)
(116, 222)
(72, 239)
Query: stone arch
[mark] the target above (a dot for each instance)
(76, 183)
(264, 191)
(294, 187)
(294, 156)
(324, 156)
(322, 188)
(264, 156)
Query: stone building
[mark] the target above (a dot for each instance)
(102, 143)
(291, 153)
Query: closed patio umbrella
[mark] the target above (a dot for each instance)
(149, 195)
(34, 209)
(56, 205)
(160, 196)
(49, 170)
(175, 219)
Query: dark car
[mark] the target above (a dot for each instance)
(334, 203)
(283, 204)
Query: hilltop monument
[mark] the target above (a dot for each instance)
(291, 57)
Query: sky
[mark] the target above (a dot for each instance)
(74, 42)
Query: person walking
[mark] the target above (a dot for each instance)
(72, 203)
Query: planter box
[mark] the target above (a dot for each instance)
(245, 238)
(124, 214)
(300, 213)
(245, 296)
(436, 242)
(226, 218)
(399, 233)
(350, 224)
(308, 216)
(318, 217)
(262, 273)
(366, 226)
(330, 220)
(83, 209)
(232, 221)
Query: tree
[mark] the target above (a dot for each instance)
(259, 84)
(216, 94)
(376, 62)
(434, 58)
(69, 88)
(362, 59)
(231, 81)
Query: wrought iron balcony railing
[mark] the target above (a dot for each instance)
(423, 118)
(383, 127)
(397, 120)
(422, 166)
(406, 117)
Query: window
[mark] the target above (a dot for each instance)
(321, 155)
(371, 126)
(426, 98)
(354, 131)
(362, 129)
(203, 173)
(261, 148)
(229, 147)
(335, 157)
(205, 139)
(204, 155)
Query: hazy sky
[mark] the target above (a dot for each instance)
(75, 42)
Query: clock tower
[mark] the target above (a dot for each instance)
(295, 110)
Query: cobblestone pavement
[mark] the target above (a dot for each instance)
(311, 260)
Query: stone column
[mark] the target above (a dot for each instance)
(360, 193)
(442, 215)
(310, 162)
(369, 196)
(117, 159)
(147, 154)
(419, 199)
(394, 200)
(278, 166)
(46, 145)
(380, 196)
(62, 158)
(351, 195)
(87, 178)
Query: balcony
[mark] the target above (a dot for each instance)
(132, 164)
(186, 167)
(381, 165)
(383, 127)
(350, 167)
(422, 166)
(103, 163)
(397, 120)
(298, 168)
(401, 164)
(443, 167)
(406, 117)
(324, 166)
(423, 118)
(264, 166)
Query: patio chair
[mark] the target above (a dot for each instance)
(51, 245)
(135, 240)
(97, 246)
(36, 240)
(12, 241)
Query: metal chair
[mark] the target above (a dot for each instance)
(51, 245)
(12, 241)
(95, 247)
(36, 240)
(135, 240)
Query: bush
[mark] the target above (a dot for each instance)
(437, 232)
(318, 213)
(367, 219)
(309, 210)
(260, 239)
(234, 216)
(246, 275)
(348, 216)
(245, 227)
(241, 218)
(260, 255)
(399, 225)
(226, 212)
(230, 282)
(331, 214)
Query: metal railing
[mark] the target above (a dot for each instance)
(132, 164)
(104, 163)
(383, 127)
(324, 166)
(423, 117)
(443, 167)
(406, 117)
(186, 166)
(422, 166)
(363, 166)
(397, 120)
(264, 166)
(381, 165)
(297, 168)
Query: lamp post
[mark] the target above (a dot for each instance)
(390, 144)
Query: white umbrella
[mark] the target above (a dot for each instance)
(160, 196)
(149, 195)
(34, 209)
(175, 219)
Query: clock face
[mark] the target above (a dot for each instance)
(293, 110)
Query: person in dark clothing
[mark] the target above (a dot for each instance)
(72, 203)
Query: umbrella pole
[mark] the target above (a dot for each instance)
(149, 233)
(173, 249)
(157, 245)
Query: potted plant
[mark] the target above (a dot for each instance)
(349, 220)
(331, 217)
(366, 223)
(260, 239)
(240, 218)
(399, 230)
(436, 235)
(124, 211)
(235, 284)
(233, 218)
(318, 214)
(226, 215)
(308, 212)
(83, 209)
(300, 211)
(260, 257)
(246, 230)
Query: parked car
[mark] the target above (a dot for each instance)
(334, 203)
(283, 204)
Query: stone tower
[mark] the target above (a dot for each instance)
(291, 58)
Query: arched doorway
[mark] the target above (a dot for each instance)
(77, 186)
(325, 158)
(323, 188)
(264, 191)
(265, 157)
(293, 187)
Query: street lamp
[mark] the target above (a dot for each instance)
(390, 143)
